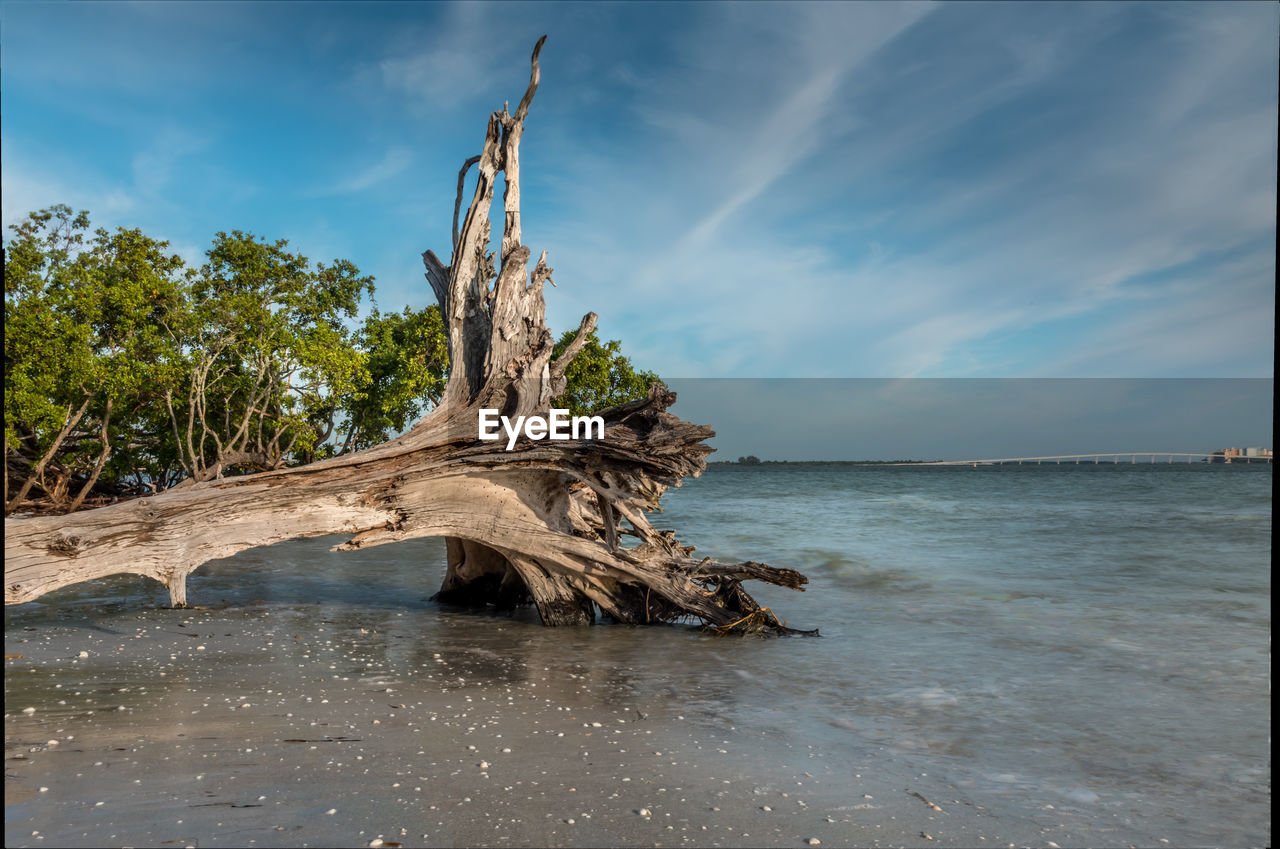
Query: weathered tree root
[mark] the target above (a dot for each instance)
(543, 523)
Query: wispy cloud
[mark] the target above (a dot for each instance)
(28, 188)
(888, 214)
(392, 163)
(738, 189)
(154, 165)
(776, 106)
(31, 184)
(1229, 316)
(453, 59)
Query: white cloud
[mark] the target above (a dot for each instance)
(820, 189)
(721, 258)
(1195, 327)
(32, 184)
(771, 102)
(458, 58)
(154, 165)
(393, 162)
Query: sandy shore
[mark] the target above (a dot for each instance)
(262, 725)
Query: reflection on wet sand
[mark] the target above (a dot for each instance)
(274, 724)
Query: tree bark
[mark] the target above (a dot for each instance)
(542, 523)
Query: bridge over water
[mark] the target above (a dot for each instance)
(1106, 456)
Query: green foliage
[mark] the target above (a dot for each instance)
(84, 347)
(44, 349)
(129, 289)
(600, 376)
(406, 369)
(267, 354)
(127, 372)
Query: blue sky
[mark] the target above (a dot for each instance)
(740, 190)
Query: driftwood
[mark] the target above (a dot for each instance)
(542, 523)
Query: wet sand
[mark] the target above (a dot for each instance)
(265, 724)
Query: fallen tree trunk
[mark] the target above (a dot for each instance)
(541, 523)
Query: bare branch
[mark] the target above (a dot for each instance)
(102, 460)
(457, 203)
(562, 362)
(437, 275)
(534, 76)
(70, 420)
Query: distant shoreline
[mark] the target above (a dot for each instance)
(1235, 461)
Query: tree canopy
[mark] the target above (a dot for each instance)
(128, 372)
(600, 376)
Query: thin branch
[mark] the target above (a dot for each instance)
(457, 203)
(513, 129)
(69, 423)
(566, 357)
(102, 460)
(534, 76)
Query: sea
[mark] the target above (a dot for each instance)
(1082, 641)
(1093, 636)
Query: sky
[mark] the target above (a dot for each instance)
(975, 418)
(740, 190)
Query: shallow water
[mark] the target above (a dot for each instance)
(1072, 653)
(1085, 635)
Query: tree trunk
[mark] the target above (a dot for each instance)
(37, 472)
(541, 523)
(102, 460)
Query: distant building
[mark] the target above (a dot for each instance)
(1239, 455)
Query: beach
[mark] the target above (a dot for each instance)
(320, 699)
(226, 727)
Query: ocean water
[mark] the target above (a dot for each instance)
(1083, 647)
(1094, 637)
